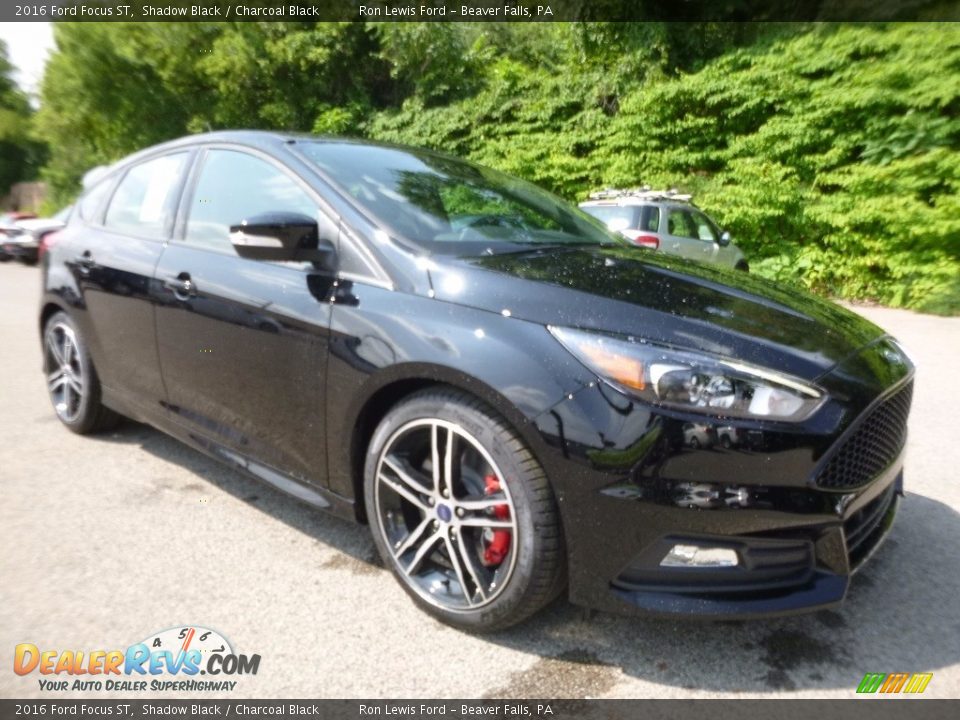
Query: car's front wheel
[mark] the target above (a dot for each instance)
(72, 381)
(462, 513)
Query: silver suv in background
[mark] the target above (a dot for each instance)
(667, 221)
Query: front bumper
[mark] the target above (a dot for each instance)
(643, 488)
(783, 574)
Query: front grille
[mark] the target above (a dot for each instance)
(865, 527)
(870, 448)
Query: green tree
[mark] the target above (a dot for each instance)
(102, 97)
(430, 61)
(830, 152)
(20, 155)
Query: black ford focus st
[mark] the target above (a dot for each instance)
(517, 402)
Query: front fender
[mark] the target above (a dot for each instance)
(386, 344)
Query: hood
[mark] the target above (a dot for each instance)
(633, 291)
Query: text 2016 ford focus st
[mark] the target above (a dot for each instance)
(516, 401)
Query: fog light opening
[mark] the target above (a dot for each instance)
(700, 557)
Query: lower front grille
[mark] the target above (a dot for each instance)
(765, 564)
(864, 529)
(870, 446)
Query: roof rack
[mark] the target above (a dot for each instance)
(643, 193)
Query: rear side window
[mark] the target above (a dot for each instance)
(143, 203)
(650, 221)
(679, 224)
(615, 217)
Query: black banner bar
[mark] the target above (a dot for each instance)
(480, 10)
(854, 709)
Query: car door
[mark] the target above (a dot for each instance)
(115, 254)
(682, 238)
(707, 235)
(243, 343)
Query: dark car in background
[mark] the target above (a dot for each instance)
(505, 391)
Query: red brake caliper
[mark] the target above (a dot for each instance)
(496, 542)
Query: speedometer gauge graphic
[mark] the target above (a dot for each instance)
(189, 637)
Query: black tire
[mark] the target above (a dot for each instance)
(79, 410)
(537, 570)
(694, 443)
(743, 265)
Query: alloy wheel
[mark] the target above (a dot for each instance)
(65, 376)
(445, 512)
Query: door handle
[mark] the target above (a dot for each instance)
(181, 286)
(85, 262)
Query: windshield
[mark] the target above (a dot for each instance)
(449, 206)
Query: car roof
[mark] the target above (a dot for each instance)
(250, 138)
(637, 202)
(638, 197)
(257, 139)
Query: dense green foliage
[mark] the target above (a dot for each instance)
(19, 154)
(831, 156)
(830, 152)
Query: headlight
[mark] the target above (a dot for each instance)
(693, 381)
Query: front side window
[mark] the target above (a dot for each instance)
(445, 205)
(234, 186)
(143, 203)
(704, 227)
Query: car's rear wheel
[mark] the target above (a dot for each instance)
(72, 381)
(462, 513)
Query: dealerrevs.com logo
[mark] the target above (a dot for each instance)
(169, 660)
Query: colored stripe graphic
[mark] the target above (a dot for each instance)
(871, 682)
(913, 683)
(918, 683)
(894, 683)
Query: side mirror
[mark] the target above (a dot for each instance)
(280, 236)
(724, 239)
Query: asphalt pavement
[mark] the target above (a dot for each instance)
(105, 541)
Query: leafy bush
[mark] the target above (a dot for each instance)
(829, 152)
